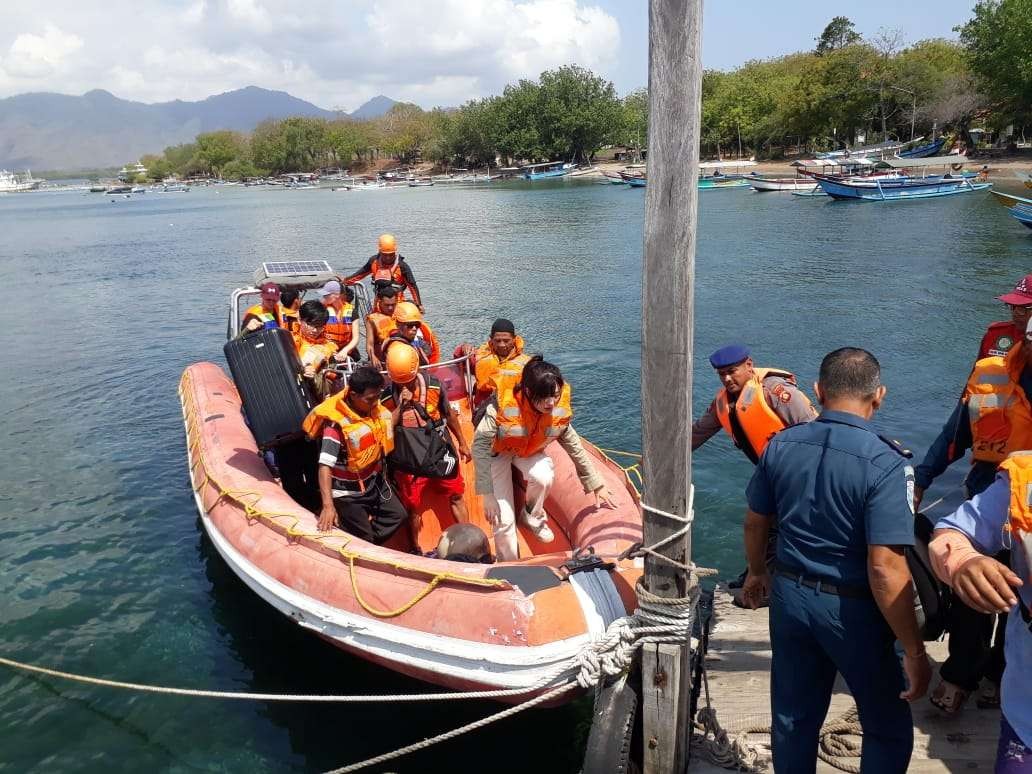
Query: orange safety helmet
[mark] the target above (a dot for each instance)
(388, 244)
(407, 312)
(402, 362)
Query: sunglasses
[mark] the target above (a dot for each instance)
(1020, 307)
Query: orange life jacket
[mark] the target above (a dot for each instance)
(383, 327)
(1019, 470)
(390, 274)
(338, 327)
(429, 396)
(368, 439)
(999, 411)
(269, 319)
(489, 367)
(520, 429)
(756, 420)
(289, 319)
(313, 352)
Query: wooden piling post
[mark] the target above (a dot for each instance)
(675, 94)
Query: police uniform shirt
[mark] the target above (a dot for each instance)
(835, 487)
(784, 398)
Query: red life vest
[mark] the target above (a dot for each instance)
(999, 338)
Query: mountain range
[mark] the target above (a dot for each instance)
(43, 130)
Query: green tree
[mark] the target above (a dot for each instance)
(158, 167)
(578, 112)
(999, 52)
(634, 131)
(179, 156)
(239, 169)
(839, 33)
(216, 149)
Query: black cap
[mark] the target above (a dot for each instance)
(501, 325)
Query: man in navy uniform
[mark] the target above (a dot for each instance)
(841, 592)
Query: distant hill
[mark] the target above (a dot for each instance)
(60, 131)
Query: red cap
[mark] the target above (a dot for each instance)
(1022, 293)
(270, 291)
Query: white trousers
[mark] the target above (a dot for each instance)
(539, 471)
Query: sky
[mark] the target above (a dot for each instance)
(339, 53)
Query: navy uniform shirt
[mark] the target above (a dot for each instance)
(835, 487)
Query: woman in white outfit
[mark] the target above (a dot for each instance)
(531, 410)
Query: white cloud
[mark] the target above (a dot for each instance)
(38, 56)
(332, 53)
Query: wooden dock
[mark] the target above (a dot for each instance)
(738, 665)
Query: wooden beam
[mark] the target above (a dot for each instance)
(675, 86)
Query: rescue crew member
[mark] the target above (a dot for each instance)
(314, 347)
(1001, 336)
(356, 435)
(265, 314)
(530, 411)
(412, 329)
(841, 590)
(992, 418)
(388, 267)
(998, 518)
(408, 387)
(380, 324)
(342, 325)
(503, 349)
(753, 405)
(289, 304)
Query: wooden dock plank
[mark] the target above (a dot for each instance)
(738, 665)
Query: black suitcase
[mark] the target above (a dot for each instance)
(268, 376)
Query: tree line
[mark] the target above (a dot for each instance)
(846, 87)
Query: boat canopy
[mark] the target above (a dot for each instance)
(857, 161)
(726, 164)
(931, 161)
(543, 164)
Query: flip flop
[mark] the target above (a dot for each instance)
(949, 698)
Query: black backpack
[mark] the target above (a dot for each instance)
(423, 450)
(932, 597)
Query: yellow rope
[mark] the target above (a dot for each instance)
(249, 501)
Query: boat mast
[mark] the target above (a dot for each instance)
(675, 85)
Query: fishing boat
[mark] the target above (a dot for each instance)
(1019, 207)
(456, 624)
(422, 182)
(636, 181)
(546, 170)
(12, 183)
(879, 150)
(725, 174)
(896, 190)
(921, 151)
(1025, 178)
(615, 179)
(764, 185)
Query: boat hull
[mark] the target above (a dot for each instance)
(458, 625)
(782, 184)
(546, 175)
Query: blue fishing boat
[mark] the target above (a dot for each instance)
(722, 181)
(1023, 214)
(635, 181)
(546, 170)
(921, 151)
(879, 190)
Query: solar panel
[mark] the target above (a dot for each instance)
(295, 268)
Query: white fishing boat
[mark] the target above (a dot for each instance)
(12, 183)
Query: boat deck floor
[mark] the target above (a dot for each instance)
(738, 664)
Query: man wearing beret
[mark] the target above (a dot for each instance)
(753, 404)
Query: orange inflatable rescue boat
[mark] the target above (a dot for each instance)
(460, 625)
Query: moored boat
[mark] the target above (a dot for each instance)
(921, 151)
(546, 170)
(896, 190)
(764, 185)
(465, 626)
(1025, 178)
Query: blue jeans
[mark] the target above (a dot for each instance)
(814, 635)
(1012, 755)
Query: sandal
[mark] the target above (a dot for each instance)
(990, 697)
(949, 698)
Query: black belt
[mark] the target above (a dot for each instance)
(859, 592)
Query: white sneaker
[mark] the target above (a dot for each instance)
(539, 526)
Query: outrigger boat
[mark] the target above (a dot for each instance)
(1018, 206)
(460, 625)
(717, 178)
(546, 170)
(910, 184)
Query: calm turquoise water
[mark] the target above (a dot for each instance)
(104, 567)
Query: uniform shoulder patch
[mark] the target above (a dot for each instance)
(782, 393)
(897, 447)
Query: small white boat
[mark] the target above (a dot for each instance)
(783, 184)
(12, 183)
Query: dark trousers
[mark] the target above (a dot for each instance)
(971, 657)
(373, 515)
(298, 464)
(814, 635)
